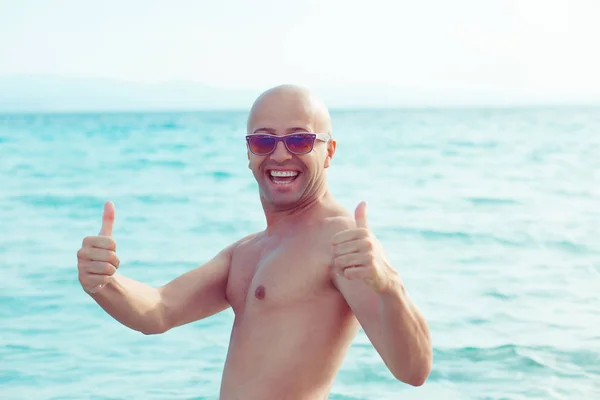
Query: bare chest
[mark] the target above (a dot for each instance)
(268, 274)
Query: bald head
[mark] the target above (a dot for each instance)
(287, 107)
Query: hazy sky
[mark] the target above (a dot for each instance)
(544, 47)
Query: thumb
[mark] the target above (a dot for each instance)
(108, 218)
(360, 215)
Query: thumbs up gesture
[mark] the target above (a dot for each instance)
(96, 260)
(358, 255)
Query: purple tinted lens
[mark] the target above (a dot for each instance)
(263, 144)
(300, 143)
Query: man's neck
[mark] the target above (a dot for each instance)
(281, 219)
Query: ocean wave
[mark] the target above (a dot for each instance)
(525, 359)
(473, 144)
(497, 294)
(488, 201)
(53, 201)
(481, 238)
(142, 163)
(156, 198)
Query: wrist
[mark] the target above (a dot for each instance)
(94, 290)
(394, 286)
(98, 288)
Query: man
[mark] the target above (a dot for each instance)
(299, 289)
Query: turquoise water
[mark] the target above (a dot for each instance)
(491, 217)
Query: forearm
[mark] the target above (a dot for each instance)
(406, 340)
(132, 303)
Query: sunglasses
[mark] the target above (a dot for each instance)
(296, 143)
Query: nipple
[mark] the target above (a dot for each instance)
(259, 293)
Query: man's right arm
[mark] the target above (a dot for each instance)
(194, 295)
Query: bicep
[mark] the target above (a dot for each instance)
(198, 293)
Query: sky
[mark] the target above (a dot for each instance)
(457, 50)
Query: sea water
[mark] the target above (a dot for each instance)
(491, 217)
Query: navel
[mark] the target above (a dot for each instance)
(259, 293)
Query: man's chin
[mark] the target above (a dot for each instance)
(280, 200)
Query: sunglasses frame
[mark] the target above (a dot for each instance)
(324, 137)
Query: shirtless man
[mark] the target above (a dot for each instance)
(299, 289)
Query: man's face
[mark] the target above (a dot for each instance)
(285, 179)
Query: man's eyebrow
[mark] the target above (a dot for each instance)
(265, 130)
(272, 131)
(297, 129)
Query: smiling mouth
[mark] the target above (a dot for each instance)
(282, 177)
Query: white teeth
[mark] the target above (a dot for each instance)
(283, 173)
(281, 182)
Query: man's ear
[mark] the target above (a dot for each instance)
(248, 154)
(331, 146)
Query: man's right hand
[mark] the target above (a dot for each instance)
(96, 260)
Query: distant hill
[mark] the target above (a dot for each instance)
(51, 93)
(44, 93)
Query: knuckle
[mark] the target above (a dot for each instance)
(90, 241)
(109, 269)
(101, 268)
(97, 254)
(86, 241)
(115, 260)
(89, 267)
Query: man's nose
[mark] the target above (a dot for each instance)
(280, 154)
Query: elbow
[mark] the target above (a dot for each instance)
(418, 374)
(420, 368)
(417, 380)
(155, 328)
(414, 379)
(422, 372)
(156, 323)
(152, 331)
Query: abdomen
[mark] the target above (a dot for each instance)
(288, 352)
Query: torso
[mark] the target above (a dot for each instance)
(292, 327)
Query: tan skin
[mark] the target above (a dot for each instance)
(300, 289)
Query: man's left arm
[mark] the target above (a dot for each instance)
(375, 293)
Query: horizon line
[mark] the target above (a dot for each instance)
(406, 107)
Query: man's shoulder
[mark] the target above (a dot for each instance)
(338, 223)
(244, 241)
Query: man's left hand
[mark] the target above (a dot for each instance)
(358, 255)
